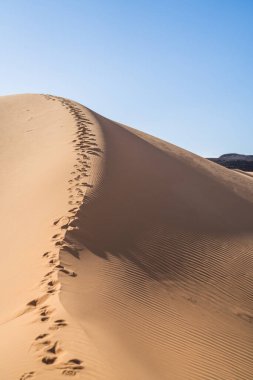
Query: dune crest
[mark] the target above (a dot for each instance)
(123, 256)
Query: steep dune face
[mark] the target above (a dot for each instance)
(138, 253)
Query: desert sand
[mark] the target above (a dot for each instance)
(123, 257)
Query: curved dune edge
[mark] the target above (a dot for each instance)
(48, 128)
(148, 274)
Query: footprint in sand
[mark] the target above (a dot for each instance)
(72, 367)
(52, 286)
(62, 220)
(46, 254)
(87, 185)
(49, 274)
(35, 302)
(45, 313)
(27, 375)
(41, 336)
(32, 303)
(42, 344)
(58, 243)
(93, 153)
(69, 372)
(59, 323)
(56, 236)
(69, 273)
(73, 209)
(54, 349)
(52, 262)
(49, 360)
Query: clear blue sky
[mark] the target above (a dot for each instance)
(181, 70)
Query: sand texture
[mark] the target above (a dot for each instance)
(123, 257)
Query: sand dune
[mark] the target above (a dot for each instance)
(123, 257)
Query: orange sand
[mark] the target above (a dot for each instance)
(123, 257)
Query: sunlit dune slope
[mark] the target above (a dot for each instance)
(123, 256)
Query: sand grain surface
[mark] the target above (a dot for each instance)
(122, 256)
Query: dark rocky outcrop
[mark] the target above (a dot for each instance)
(235, 161)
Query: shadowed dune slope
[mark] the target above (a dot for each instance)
(143, 258)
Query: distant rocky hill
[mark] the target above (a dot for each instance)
(235, 161)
